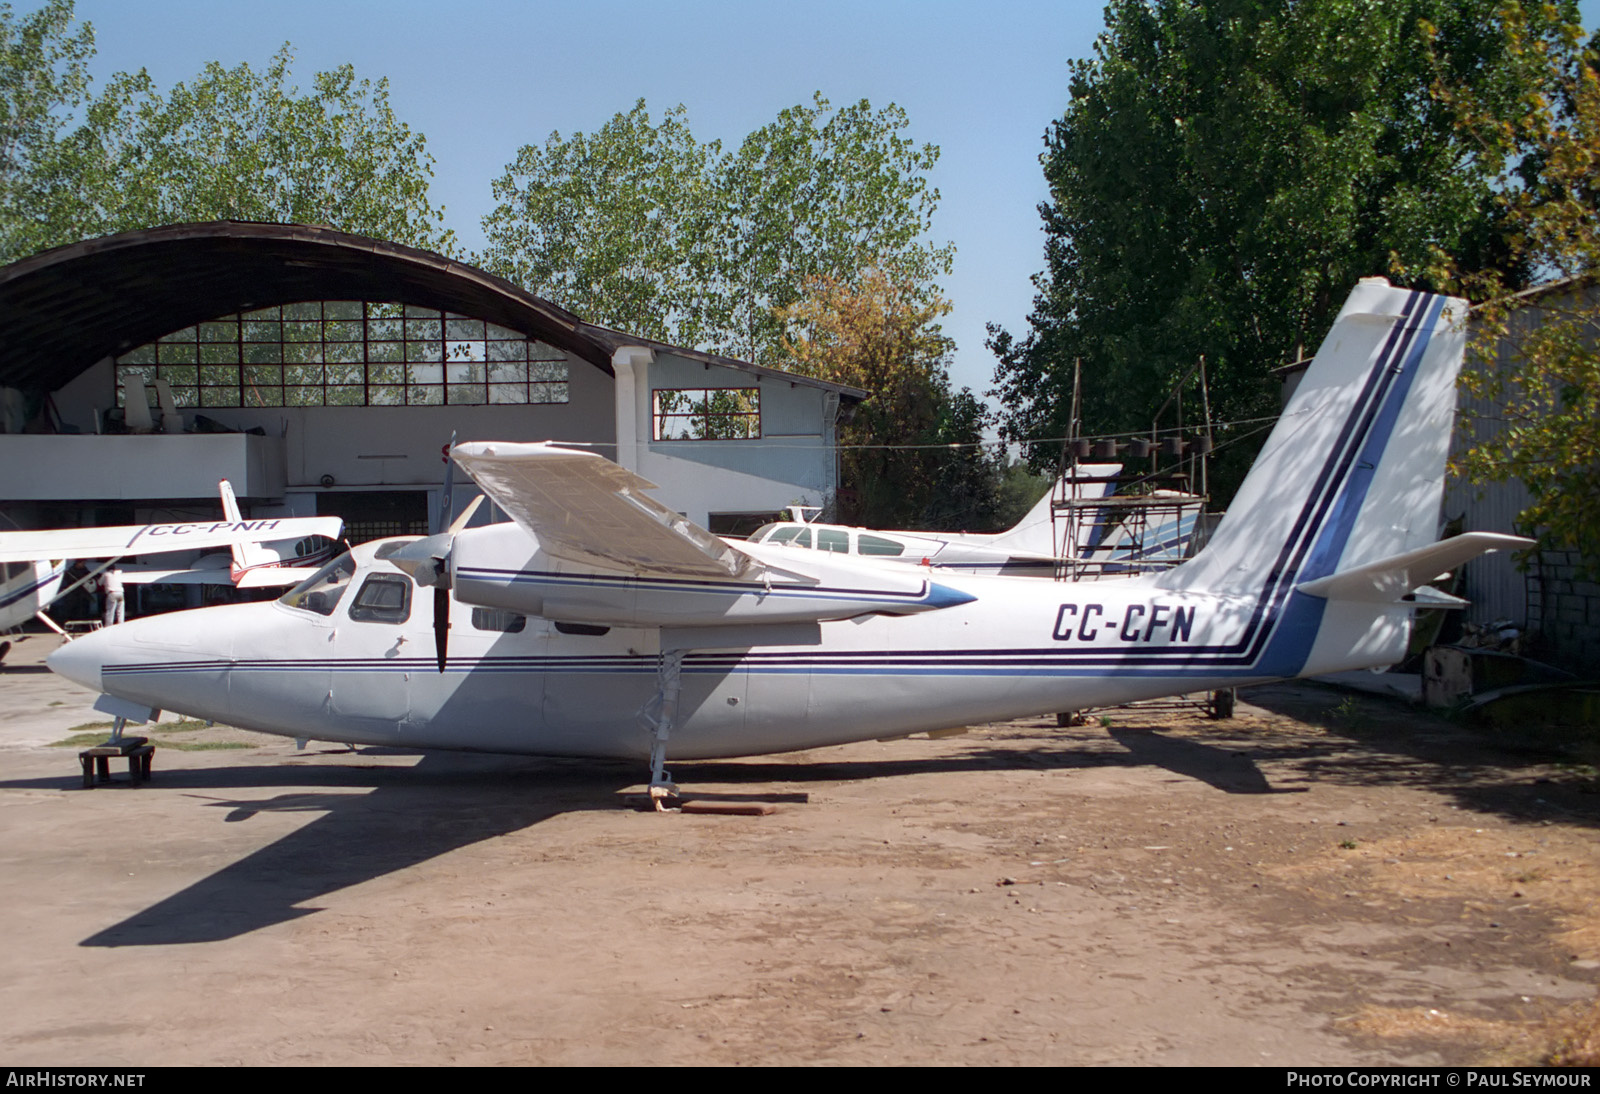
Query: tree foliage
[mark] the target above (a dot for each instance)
(1226, 170)
(641, 227)
(231, 144)
(910, 456)
(1536, 367)
(43, 77)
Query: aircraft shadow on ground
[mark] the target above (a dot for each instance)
(445, 802)
(1226, 769)
(1375, 741)
(411, 814)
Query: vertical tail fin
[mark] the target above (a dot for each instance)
(1036, 531)
(246, 556)
(1352, 476)
(1354, 470)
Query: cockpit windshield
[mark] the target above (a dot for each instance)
(321, 591)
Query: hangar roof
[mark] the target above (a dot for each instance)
(64, 309)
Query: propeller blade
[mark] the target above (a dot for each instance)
(441, 624)
(466, 515)
(446, 502)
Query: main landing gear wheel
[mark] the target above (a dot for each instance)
(1220, 705)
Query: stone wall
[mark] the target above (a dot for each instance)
(1564, 613)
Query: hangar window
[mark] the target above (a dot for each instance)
(349, 353)
(707, 414)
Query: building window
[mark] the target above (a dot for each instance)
(707, 414)
(349, 353)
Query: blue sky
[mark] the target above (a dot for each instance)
(481, 79)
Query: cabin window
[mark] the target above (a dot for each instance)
(384, 598)
(321, 591)
(707, 414)
(877, 545)
(833, 539)
(498, 619)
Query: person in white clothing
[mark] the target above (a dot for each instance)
(111, 582)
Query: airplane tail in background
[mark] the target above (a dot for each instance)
(255, 565)
(1344, 498)
(1035, 532)
(245, 556)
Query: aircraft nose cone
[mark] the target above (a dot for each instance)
(80, 660)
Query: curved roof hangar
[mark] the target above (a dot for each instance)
(64, 309)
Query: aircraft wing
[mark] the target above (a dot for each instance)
(154, 539)
(609, 555)
(583, 508)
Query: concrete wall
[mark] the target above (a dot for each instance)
(39, 467)
(381, 447)
(791, 463)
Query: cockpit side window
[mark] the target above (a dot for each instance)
(384, 598)
(784, 535)
(321, 591)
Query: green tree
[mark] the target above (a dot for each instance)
(43, 78)
(610, 225)
(969, 473)
(1225, 172)
(911, 453)
(1536, 354)
(642, 227)
(231, 144)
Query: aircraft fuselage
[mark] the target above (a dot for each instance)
(1018, 648)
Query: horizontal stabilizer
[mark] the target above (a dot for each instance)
(1426, 596)
(273, 577)
(1388, 579)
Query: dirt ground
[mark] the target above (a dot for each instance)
(1324, 880)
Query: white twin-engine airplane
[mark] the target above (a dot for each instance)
(599, 623)
(1026, 550)
(33, 563)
